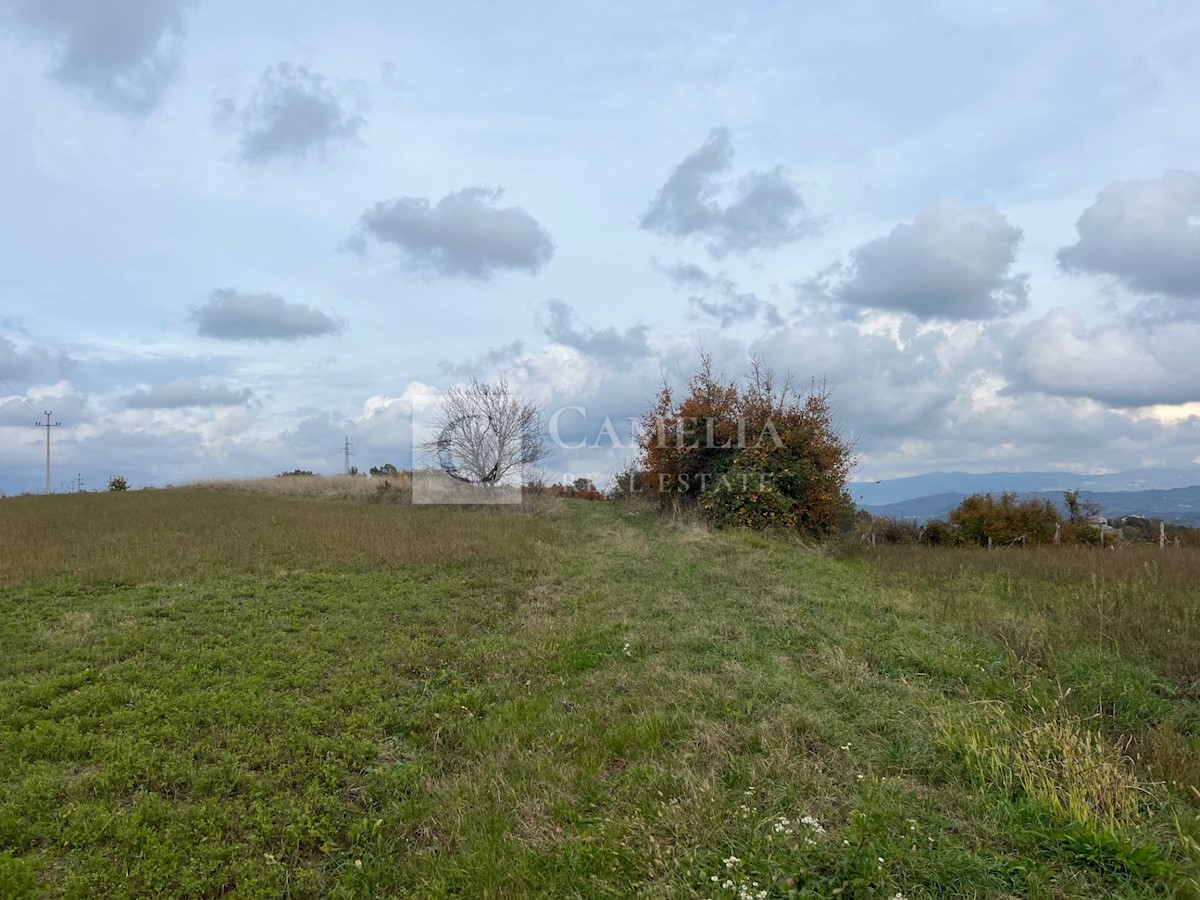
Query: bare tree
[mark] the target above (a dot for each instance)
(485, 432)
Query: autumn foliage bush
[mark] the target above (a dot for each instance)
(580, 489)
(756, 453)
(1005, 519)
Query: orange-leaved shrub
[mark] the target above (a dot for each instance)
(756, 453)
(1006, 519)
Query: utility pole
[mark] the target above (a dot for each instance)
(48, 425)
(346, 450)
(79, 482)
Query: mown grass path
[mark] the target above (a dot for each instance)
(580, 703)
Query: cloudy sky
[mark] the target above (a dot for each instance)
(235, 234)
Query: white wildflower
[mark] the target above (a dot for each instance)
(812, 824)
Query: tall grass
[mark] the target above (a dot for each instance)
(1072, 772)
(1139, 602)
(397, 488)
(582, 704)
(259, 527)
(1120, 629)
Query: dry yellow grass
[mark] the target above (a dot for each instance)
(1136, 601)
(264, 526)
(1063, 767)
(325, 487)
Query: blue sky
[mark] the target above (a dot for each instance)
(234, 234)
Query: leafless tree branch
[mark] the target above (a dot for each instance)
(485, 432)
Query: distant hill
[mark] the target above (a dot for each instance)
(1180, 506)
(896, 490)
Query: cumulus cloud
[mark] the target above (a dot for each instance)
(766, 209)
(949, 392)
(885, 385)
(494, 357)
(1146, 234)
(1119, 366)
(20, 361)
(463, 234)
(234, 316)
(952, 262)
(313, 438)
(121, 53)
(717, 297)
(182, 393)
(606, 345)
(67, 403)
(382, 432)
(144, 453)
(13, 362)
(294, 113)
(987, 430)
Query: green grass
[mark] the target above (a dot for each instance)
(206, 693)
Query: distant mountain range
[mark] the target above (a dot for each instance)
(1169, 494)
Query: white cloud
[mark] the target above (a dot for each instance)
(464, 234)
(25, 361)
(605, 345)
(233, 316)
(122, 53)
(718, 297)
(1146, 234)
(952, 262)
(766, 209)
(294, 113)
(1114, 364)
(183, 392)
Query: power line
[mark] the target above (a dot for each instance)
(48, 425)
(20, 397)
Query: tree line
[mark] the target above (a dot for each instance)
(987, 520)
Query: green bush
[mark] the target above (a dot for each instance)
(1004, 520)
(895, 531)
(937, 533)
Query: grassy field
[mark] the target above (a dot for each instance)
(210, 692)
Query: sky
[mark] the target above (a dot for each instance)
(234, 235)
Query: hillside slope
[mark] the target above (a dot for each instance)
(204, 693)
